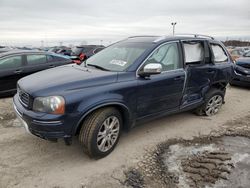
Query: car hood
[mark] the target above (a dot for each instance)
(242, 70)
(243, 62)
(65, 78)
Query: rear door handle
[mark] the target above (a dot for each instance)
(18, 71)
(177, 78)
(51, 66)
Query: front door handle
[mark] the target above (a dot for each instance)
(177, 78)
(18, 71)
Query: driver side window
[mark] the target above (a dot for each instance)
(168, 56)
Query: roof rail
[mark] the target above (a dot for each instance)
(142, 36)
(195, 35)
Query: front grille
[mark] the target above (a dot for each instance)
(23, 97)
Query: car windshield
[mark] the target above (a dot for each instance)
(118, 57)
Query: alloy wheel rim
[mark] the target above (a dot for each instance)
(108, 133)
(213, 105)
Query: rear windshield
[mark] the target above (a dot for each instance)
(119, 56)
(77, 50)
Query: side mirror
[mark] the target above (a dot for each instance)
(150, 69)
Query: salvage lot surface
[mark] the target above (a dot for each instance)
(27, 161)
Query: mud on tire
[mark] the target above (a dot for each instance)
(94, 128)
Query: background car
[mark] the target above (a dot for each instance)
(236, 53)
(64, 51)
(5, 49)
(85, 51)
(17, 64)
(241, 75)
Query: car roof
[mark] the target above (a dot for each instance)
(18, 52)
(27, 52)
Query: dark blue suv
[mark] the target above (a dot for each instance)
(136, 79)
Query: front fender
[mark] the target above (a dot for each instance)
(126, 112)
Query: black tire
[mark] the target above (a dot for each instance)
(213, 92)
(91, 127)
(231, 84)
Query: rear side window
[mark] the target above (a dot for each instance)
(219, 53)
(36, 59)
(11, 62)
(194, 52)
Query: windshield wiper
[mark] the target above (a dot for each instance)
(98, 67)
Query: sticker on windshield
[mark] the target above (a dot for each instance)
(118, 62)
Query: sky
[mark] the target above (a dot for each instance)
(49, 22)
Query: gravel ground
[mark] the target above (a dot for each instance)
(28, 161)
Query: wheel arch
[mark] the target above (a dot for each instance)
(219, 85)
(122, 108)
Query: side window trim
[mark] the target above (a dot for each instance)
(151, 53)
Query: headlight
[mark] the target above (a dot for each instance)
(51, 105)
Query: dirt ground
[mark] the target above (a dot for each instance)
(28, 161)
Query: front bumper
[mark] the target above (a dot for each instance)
(19, 116)
(46, 126)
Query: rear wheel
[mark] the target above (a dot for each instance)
(213, 105)
(213, 102)
(100, 132)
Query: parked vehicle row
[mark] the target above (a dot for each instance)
(77, 53)
(134, 80)
(63, 50)
(83, 52)
(238, 52)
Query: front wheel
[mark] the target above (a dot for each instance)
(100, 132)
